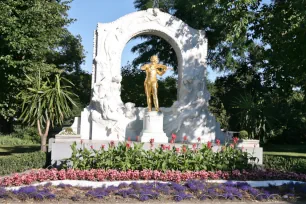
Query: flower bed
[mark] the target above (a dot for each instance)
(192, 189)
(132, 156)
(174, 176)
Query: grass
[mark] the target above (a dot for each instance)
(289, 154)
(9, 150)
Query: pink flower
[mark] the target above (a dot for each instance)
(194, 146)
(137, 138)
(185, 138)
(112, 143)
(184, 149)
(129, 139)
(81, 141)
(172, 141)
(232, 145)
(103, 146)
(218, 142)
(177, 150)
(235, 139)
(209, 144)
(91, 146)
(151, 143)
(127, 145)
(199, 139)
(173, 136)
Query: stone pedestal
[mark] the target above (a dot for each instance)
(153, 128)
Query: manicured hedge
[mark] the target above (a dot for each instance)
(285, 163)
(22, 162)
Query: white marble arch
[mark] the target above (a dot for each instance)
(107, 118)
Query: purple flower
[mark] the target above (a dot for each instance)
(178, 187)
(62, 185)
(123, 185)
(3, 193)
(97, 193)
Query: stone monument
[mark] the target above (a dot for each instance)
(108, 118)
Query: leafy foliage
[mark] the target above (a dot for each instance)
(21, 136)
(46, 103)
(243, 134)
(33, 36)
(134, 157)
(285, 163)
(261, 45)
(22, 162)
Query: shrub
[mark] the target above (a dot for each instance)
(8, 140)
(21, 136)
(27, 133)
(133, 157)
(243, 134)
(22, 162)
(285, 163)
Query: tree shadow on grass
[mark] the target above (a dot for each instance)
(9, 150)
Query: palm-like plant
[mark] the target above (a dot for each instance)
(46, 103)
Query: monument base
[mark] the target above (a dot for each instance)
(153, 128)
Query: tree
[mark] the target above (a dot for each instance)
(33, 35)
(46, 102)
(225, 22)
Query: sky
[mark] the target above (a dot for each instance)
(89, 12)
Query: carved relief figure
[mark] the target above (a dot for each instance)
(150, 83)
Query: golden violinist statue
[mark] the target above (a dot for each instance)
(150, 83)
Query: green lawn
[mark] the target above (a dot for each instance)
(289, 154)
(8, 150)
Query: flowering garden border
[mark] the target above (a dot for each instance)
(41, 175)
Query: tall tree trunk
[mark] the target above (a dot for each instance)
(43, 136)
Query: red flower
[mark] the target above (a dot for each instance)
(164, 147)
(127, 145)
(112, 143)
(173, 136)
(199, 139)
(91, 147)
(185, 138)
(129, 139)
(172, 141)
(235, 139)
(194, 146)
(184, 149)
(177, 150)
(103, 146)
(209, 144)
(218, 142)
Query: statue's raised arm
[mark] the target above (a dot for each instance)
(163, 69)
